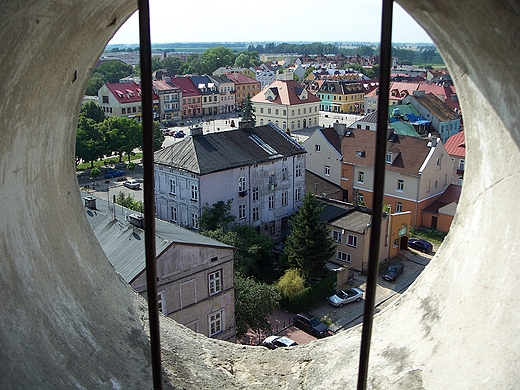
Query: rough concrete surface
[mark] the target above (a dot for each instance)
(68, 321)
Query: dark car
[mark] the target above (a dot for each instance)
(179, 134)
(393, 272)
(310, 324)
(420, 244)
(114, 173)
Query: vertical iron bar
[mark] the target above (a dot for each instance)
(379, 182)
(145, 51)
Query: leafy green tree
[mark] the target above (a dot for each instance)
(95, 82)
(254, 255)
(214, 58)
(90, 141)
(131, 167)
(254, 303)
(93, 111)
(172, 64)
(248, 111)
(217, 216)
(113, 71)
(291, 284)
(309, 245)
(94, 172)
(129, 202)
(123, 135)
(158, 136)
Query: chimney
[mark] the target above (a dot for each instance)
(136, 220)
(90, 202)
(340, 128)
(244, 124)
(196, 131)
(419, 93)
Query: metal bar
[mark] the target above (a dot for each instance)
(145, 51)
(379, 182)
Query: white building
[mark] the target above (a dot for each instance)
(286, 104)
(261, 169)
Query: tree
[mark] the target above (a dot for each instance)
(248, 111)
(158, 136)
(131, 167)
(93, 111)
(217, 216)
(113, 71)
(254, 303)
(291, 284)
(95, 82)
(172, 64)
(308, 71)
(123, 135)
(90, 141)
(214, 58)
(309, 245)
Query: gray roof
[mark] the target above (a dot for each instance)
(354, 221)
(123, 243)
(213, 152)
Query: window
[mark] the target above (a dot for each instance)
(284, 198)
(284, 112)
(173, 187)
(194, 220)
(342, 256)
(358, 127)
(395, 243)
(297, 194)
(352, 240)
(317, 148)
(297, 170)
(327, 170)
(255, 194)
(241, 184)
(336, 236)
(105, 99)
(360, 197)
(194, 192)
(123, 110)
(400, 185)
(134, 109)
(276, 111)
(461, 165)
(256, 215)
(241, 211)
(174, 213)
(261, 110)
(214, 280)
(388, 158)
(284, 173)
(271, 202)
(215, 323)
(445, 178)
(361, 177)
(398, 207)
(161, 303)
(269, 111)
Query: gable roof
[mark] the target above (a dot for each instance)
(224, 150)
(286, 92)
(123, 243)
(186, 86)
(239, 78)
(204, 84)
(456, 145)
(450, 195)
(437, 107)
(332, 136)
(127, 92)
(411, 152)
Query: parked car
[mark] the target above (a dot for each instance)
(179, 134)
(133, 184)
(343, 297)
(420, 244)
(310, 324)
(393, 272)
(273, 342)
(114, 173)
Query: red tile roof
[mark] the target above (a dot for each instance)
(286, 92)
(456, 145)
(239, 78)
(127, 92)
(187, 88)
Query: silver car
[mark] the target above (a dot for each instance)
(343, 297)
(133, 184)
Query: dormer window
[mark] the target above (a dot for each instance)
(388, 158)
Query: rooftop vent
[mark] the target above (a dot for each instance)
(136, 220)
(90, 202)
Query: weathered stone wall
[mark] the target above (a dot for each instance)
(68, 321)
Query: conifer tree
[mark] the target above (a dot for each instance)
(309, 245)
(248, 111)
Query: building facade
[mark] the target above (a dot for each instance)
(244, 86)
(170, 99)
(123, 99)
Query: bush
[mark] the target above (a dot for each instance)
(297, 298)
(94, 172)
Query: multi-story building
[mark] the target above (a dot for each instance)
(286, 104)
(443, 120)
(226, 88)
(456, 148)
(170, 99)
(195, 283)
(265, 74)
(244, 86)
(418, 171)
(210, 95)
(123, 99)
(261, 169)
(342, 96)
(191, 97)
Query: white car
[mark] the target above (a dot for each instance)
(273, 342)
(133, 184)
(343, 297)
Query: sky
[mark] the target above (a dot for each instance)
(270, 21)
